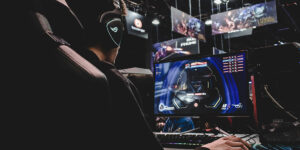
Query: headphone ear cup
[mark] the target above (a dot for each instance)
(111, 33)
(104, 37)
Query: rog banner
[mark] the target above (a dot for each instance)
(187, 25)
(248, 17)
(175, 48)
(136, 25)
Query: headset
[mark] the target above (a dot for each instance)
(111, 26)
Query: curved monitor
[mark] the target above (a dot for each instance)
(203, 86)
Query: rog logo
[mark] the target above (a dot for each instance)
(114, 29)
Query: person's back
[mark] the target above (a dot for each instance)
(128, 126)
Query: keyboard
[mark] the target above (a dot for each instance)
(187, 140)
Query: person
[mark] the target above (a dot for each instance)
(133, 132)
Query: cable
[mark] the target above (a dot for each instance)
(212, 12)
(221, 36)
(253, 130)
(199, 8)
(189, 131)
(228, 40)
(277, 104)
(289, 17)
(190, 6)
(251, 139)
(222, 131)
(247, 135)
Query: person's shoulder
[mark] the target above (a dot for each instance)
(114, 75)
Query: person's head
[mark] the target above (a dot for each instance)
(106, 32)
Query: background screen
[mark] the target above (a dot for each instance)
(175, 48)
(248, 17)
(187, 25)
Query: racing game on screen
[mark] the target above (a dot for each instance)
(215, 85)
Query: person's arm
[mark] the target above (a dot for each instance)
(226, 143)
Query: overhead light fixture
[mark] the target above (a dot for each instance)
(247, 4)
(225, 1)
(208, 22)
(281, 43)
(155, 22)
(218, 2)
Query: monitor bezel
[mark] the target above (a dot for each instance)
(208, 115)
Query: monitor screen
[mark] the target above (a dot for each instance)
(215, 85)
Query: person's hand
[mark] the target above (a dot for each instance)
(228, 143)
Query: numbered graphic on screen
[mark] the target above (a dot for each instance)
(211, 85)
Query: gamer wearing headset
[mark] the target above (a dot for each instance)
(127, 127)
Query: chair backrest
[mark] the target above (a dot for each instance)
(67, 100)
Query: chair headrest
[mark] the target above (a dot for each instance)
(43, 28)
(63, 2)
(55, 16)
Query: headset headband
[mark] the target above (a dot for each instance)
(115, 11)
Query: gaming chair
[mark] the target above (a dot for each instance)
(63, 98)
